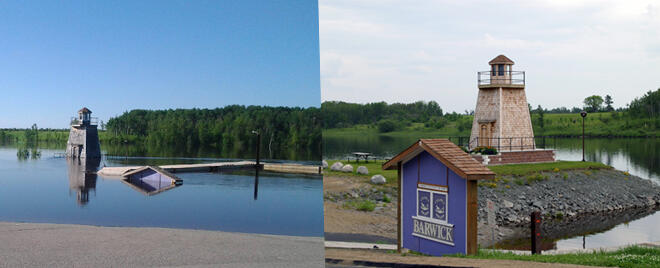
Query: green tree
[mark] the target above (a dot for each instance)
(386, 125)
(539, 110)
(593, 103)
(608, 103)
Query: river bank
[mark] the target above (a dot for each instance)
(574, 201)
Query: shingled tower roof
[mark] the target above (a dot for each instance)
(501, 59)
(85, 111)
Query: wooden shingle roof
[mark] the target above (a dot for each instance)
(501, 59)
(449, 154)
(84, 110)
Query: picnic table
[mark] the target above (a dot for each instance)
(362, 155)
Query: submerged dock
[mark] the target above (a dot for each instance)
(217, 166)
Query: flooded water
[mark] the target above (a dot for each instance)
(639, 156)
(55, 190)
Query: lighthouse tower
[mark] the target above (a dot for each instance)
(83, 137)
(501, 117)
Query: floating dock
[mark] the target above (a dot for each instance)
(217, 166)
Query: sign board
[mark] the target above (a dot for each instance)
(438, 202)
(431, 219)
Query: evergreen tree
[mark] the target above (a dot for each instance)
(608, 103)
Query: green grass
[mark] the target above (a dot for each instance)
(361, 205)
(633, 256)
(603, 124)
(57, 136)
(374, 167)
(414, 129)
(525, 169)
(595, 124)
(530, 171)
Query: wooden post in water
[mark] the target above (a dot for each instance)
(258, 146)
(536, 232)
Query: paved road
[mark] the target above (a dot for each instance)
(67, 245)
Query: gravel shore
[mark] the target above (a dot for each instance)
(577, 201)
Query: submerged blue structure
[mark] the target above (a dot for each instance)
(151, 180)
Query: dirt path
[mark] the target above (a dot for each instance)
(338, 219)
(357, 257)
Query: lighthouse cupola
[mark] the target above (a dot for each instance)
(501, 70)
(84, 116)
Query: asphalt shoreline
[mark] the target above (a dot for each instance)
(70, 245)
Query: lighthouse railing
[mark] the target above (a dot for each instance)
(499, 78)
(502, 144)
(75, 121)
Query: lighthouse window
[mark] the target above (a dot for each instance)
(492, 71)
(500, 69)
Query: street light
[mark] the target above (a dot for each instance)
(258, 145)
(583, 114)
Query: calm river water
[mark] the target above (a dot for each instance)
(54, 190)
(639, 156)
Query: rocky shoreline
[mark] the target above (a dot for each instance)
(576, 202)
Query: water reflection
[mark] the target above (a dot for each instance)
(256, 183)
(82, 177)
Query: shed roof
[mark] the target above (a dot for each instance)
(156, 169)
(500, 59)
(84, 110)
(449, 154)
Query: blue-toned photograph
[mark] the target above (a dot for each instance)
(160, 133)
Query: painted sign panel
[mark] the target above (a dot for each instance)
(436, 231)
(433, 207)
(431, 219)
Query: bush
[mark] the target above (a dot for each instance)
(487, 150)
(365, 205)
(387, 125)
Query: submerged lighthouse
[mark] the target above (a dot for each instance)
(83, 137)
(501, 117)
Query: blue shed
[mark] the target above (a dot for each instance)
(437, 210)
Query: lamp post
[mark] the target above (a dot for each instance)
(258, 145)
(583, 114)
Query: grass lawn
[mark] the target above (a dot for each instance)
(633, 256)
(524, 169)
(415, 130)
(374, 168)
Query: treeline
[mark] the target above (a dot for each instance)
(386, 117)
(647, 106)
(227, 128)
(640, 118)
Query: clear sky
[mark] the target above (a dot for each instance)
(404, 51)
(114, 56)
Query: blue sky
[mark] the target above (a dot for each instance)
(114, 56)
(405, 51)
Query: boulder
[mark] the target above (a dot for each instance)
(336, 166)
(347, 168)
(507, 203)
(378, 179)
(362, 170)
(324, 164)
